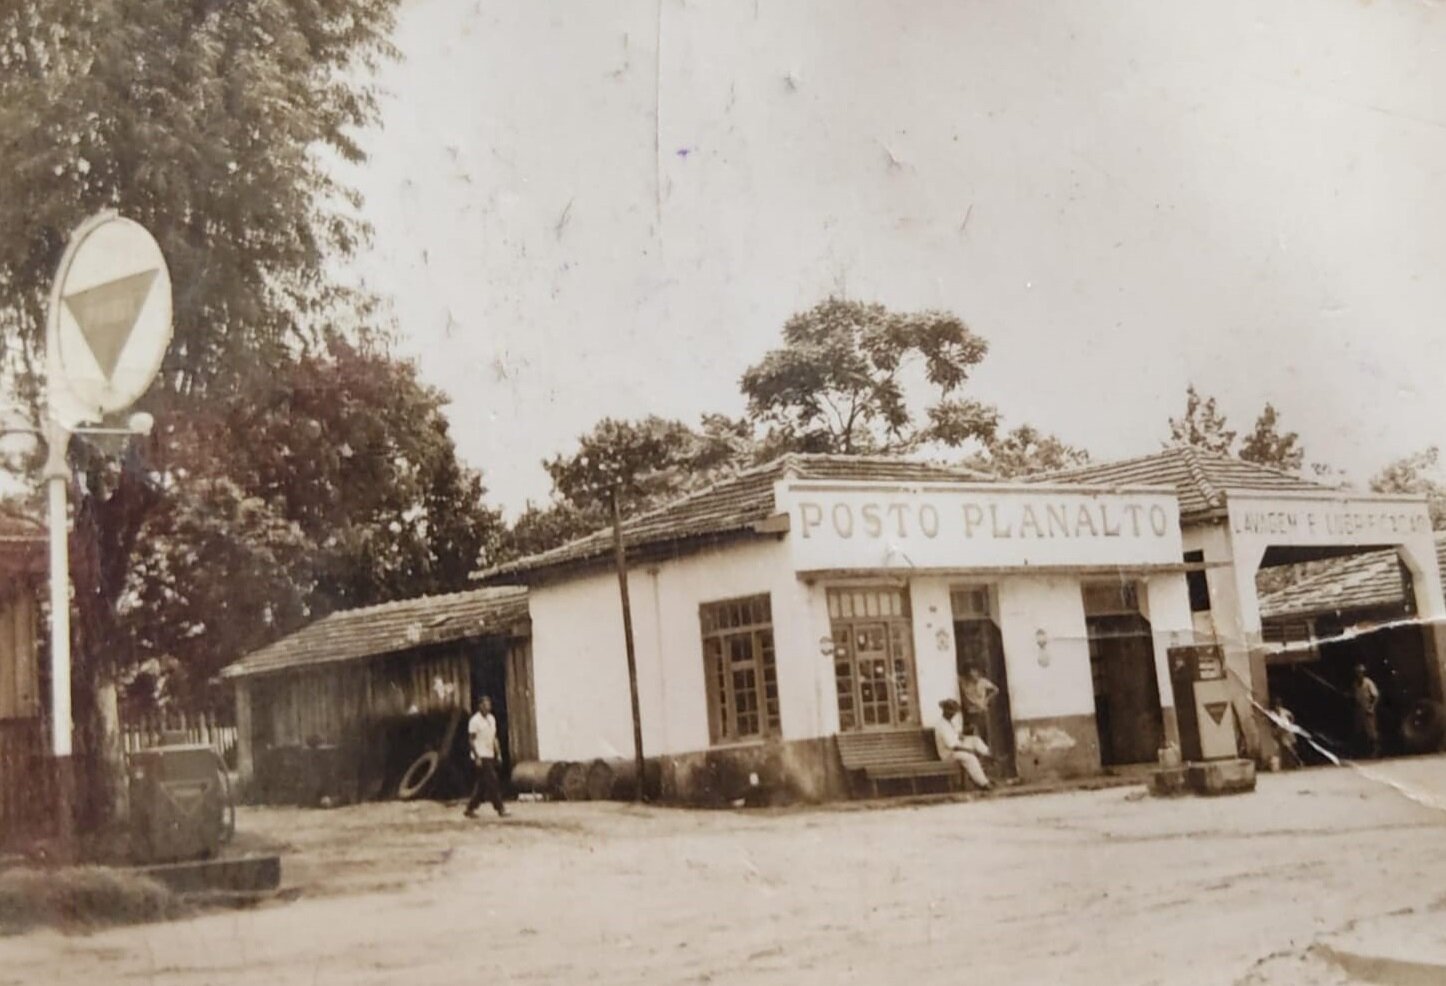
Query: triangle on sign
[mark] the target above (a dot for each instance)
(107, 313)
(1217, 710)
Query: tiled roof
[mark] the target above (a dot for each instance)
(1200, 478)
(22, 544)
(1356, 582)
(354, 634)
(730, 507)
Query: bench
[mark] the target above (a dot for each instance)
(895, 755)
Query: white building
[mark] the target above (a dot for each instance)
(805, 605)
(823, 595)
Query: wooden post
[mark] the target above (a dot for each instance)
(620, 558)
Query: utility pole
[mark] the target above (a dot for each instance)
(620, 559)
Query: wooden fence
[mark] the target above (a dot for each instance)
(181, 728)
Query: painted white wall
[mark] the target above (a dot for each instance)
(1063, 687)
(934, 661)
(579, 672)
(1166, 604)
(580, 668)
(1214, 541)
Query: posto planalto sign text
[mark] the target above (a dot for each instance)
(840, 527)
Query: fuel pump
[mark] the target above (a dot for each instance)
(1202, 703)
(1208, 726)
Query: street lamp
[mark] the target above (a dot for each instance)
(57, 477)
(107, 329)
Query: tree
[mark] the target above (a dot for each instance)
(1419, 473)
(542, 528)
(647, 462)
(839, 383)
(346, 492)
(1202, 425)
(210, 124)
(684, 460)
(1267, 446)
(1024, 451)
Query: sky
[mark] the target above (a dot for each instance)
(610, 209)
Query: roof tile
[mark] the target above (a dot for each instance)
(390, 627)
(1362, 581)
(730, 507)
(1200, 478)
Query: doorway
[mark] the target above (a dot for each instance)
(873, 656)
(1122, 665)
(979, 644)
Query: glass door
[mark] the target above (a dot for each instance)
(873, 658)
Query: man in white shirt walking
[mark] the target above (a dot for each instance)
(485, 750)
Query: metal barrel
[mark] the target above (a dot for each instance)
(574, 781)
(555, 776)
(531, 776)
(601, 776)
(625, 779)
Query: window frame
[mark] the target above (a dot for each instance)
(725, 624)
(1197, 582)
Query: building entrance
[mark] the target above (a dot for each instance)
(873, 657)
(979, 644)
(1122, 664)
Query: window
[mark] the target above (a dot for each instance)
(970, 604)
(738, 662)
(1110, 598)
(1197, 583)
(1289, 642)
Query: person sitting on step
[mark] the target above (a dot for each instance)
(960, 742)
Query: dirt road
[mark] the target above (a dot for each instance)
(1089, 887)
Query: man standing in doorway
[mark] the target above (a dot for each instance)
(482, 741)
(1367, 696)
(977, 692)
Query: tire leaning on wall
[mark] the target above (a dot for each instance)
(418, 776)
(1423, 727)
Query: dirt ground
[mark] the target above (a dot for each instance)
(1085, 887)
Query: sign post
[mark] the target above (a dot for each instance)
(108, 326)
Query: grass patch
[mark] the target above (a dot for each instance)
(80, 898)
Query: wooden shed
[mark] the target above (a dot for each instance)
(23, 750)
(340, 708)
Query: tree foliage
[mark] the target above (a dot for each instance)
(212, 124)
(337, 485)
(1269, 446)
(840, 381)
(648, 462)
(203, 121)
(1203, 426)
(1419, 473)
(1025, 451)
(645, 462)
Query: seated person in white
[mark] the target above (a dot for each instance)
(961, 744)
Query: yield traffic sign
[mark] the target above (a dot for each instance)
(110, 319)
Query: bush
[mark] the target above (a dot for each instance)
(80, 898)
